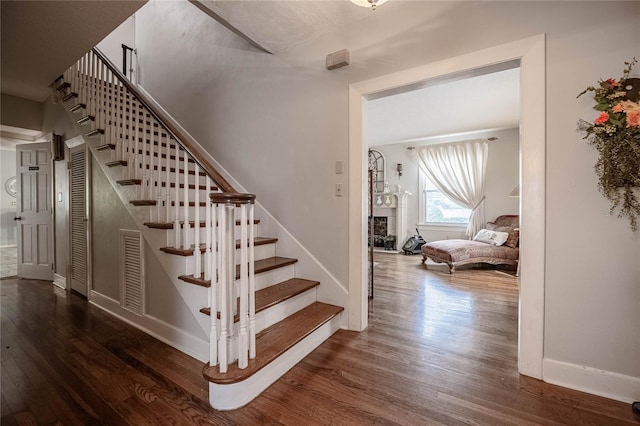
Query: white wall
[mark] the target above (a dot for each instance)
(279, 122)
(111, 45)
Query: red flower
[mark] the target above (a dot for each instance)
(613, 82)
(602, 118)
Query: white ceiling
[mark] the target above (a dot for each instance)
(41, 39)
(275, 26)
(482, 102)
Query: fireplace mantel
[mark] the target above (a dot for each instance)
(394, 205)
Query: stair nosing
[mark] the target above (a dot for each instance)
(169, 225)
(257, 269)
(258, 241)
(236, 375)
(304, 286)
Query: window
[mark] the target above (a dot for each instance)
(436, 208)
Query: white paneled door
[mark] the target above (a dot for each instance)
(34, 211)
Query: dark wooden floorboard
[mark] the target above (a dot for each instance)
(439, 349)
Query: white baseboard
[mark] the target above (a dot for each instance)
(60, 281)
(591, 380)
(184, 342)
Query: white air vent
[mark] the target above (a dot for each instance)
(131, 271)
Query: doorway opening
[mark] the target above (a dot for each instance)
(530, 53)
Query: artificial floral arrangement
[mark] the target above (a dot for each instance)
(616, 135)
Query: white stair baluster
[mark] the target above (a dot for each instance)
(135, 135)
(145, 157)
(197, 252)
(252, 284)
(176, 187)
(213, 290)
(229, 260)
(207, 231)
(167, 178)
(95, 86)
(224, 305)
(186, 228)
(153, 160)
(243, 342)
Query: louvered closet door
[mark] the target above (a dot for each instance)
(131, 271)
(78, 219)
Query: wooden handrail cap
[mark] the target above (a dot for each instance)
(232, 198)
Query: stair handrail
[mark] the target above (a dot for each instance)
(183, 139)
(93, 74)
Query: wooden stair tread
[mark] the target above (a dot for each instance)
(139, 181)
(77, 107)
(96, 132)
(116, 163)
(63, 86)
(105, 147)
(86, 119)
(69, 96)
(276, 340)
(262, 265)
(143, 202)
(257, 241)
(169, 225)
(270, 296)
(125, 182)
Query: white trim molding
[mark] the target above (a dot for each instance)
(531, 54)
(60, 281)
(172, 336)
(586, 379)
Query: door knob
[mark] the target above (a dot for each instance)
(17, 218)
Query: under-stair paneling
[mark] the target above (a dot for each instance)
(108, 216)
(163, 301)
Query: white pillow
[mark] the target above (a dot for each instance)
(495, 238)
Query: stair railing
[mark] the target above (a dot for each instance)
(168, 166)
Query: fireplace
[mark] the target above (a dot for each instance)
(390, 219)
(379, 230)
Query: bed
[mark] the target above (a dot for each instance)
(462, 252)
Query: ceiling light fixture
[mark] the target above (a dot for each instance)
(368, 3)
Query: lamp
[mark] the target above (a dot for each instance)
(399, 169)
(515, 192)
(368, 3)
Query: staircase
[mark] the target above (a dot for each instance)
(260, 317)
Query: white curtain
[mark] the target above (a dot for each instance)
(458, 170)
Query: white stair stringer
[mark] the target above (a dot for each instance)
(236, 395)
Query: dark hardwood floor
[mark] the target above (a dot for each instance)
(439, 349)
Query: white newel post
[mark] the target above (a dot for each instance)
(243, 338)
